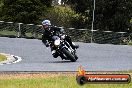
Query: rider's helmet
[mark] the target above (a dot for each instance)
(46, 24)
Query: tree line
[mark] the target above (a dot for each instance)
(110, 15)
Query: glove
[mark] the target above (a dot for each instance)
(62, 36)
(47, 44)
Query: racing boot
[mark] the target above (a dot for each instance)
(68, 39)
(75, 46)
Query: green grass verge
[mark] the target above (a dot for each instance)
(56, 82)
(130, 43)
(31, 35)
(2, 57)
(6, 32)
(15, 34)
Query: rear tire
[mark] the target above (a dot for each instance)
(69, 55)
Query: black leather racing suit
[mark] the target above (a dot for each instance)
(51, 31)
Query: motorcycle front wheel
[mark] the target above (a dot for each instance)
(69, 55)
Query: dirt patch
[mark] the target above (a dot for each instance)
(33, 75)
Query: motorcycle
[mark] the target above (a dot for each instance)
(63, 48)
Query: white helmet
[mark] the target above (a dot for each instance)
(46, 22)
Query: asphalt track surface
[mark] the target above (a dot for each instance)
(93, 57)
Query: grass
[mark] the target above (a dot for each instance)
(6, 32)
(130, 43)
(2, 57)
(15, 34)
(60, 81)
(31, 35)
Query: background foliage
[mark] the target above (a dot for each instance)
(113, 15)
(60, 16)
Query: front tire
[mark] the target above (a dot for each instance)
(69, 55)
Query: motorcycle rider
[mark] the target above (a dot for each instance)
(49, 31)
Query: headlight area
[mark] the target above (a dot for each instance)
(57, 42)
